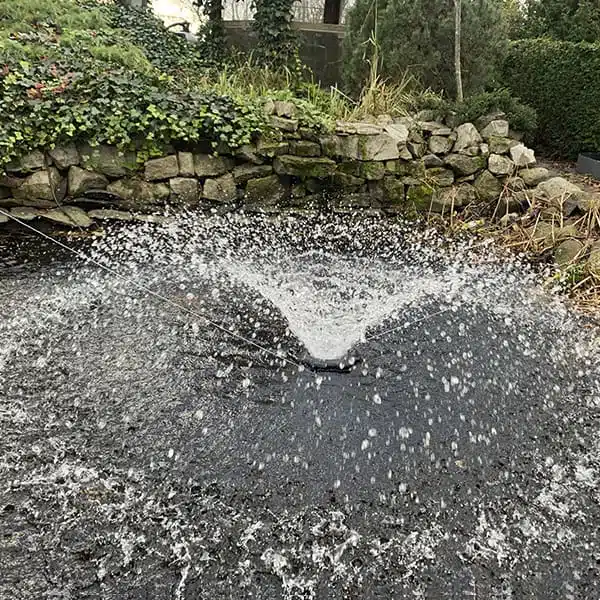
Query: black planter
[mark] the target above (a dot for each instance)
(589, 164)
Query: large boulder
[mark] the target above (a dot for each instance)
(487, 186)
(265, 190)
(535, 176)
(68, 215)
(298, 166)
(80, 181)
(160, 169)
(184, 191)
(44, 185)
(220, 189)
(464, 165)
(522, 156)
(440, 144)
(496, 128)
(246, 172)
(108, 160)
(467, 137)
(139, 195)
(206, 165)
(32, 161)
(499, 164)
(65, 156)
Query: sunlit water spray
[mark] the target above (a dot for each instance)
(146, 453)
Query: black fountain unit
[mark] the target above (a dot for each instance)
(346, 364)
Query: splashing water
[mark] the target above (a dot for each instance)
(145, 453)
(330, 303)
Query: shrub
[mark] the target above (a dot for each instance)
(521, 117)
(417, 36)
(561, 80)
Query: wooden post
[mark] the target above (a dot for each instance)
(457, 36)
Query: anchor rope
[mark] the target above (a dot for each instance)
(151, 292)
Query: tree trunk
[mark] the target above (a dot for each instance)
(332, 11)
(457, 36)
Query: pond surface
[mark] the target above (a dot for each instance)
(162, 436)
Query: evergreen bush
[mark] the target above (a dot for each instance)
(561, 80)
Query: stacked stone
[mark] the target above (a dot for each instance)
(414, 164)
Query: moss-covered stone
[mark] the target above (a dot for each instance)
(501, 145)
(243, 173)
(305, 168)
(371, 171)
(488, 187)
(271, 148)
(462, 164)
(305, 148)
(43, 185)
(414, 168)
(138, 194)
(567, 252)
(206, 165)
(439, 176)
(394, 191)
(346, 180)
(420, 197)
(221, 189)
(108, 160)
(267, 190)
(453, 197)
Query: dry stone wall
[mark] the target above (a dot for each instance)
(411, 164)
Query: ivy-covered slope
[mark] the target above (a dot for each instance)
(80, 70)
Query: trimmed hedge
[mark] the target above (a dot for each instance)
(561, 80)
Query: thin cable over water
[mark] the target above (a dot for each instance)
(151, 292)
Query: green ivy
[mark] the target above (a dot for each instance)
(165, 50)
(49, 103)
(212, 33)
(277, 43)
(561, 80)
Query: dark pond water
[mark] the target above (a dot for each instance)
(148, 453)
